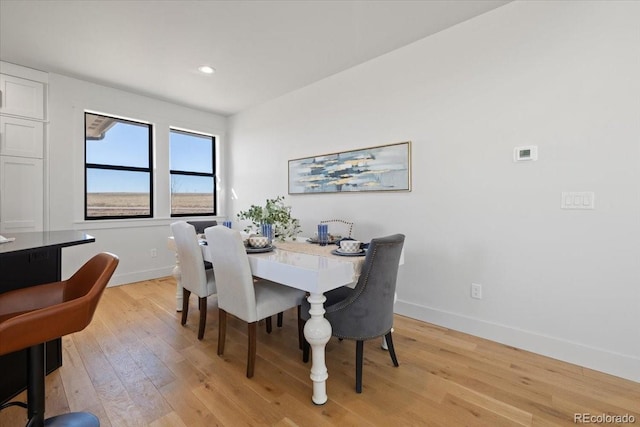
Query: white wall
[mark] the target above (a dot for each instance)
(564, 76)
(131, 240)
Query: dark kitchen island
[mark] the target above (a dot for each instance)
(32, 259)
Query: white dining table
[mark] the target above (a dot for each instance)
(310, 272)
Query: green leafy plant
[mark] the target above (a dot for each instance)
(273, 212)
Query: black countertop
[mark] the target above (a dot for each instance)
(44, 239)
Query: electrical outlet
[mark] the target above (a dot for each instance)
(154, 253)
(476, 291)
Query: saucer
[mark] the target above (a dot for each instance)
(349, 252)
(252, 250)
(339, 252)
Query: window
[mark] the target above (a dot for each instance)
(118, 178)
(192, 169)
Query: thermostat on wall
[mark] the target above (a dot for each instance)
(523, 154)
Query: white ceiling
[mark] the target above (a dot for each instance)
(260, 49)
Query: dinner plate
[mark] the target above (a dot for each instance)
(267, 248)
(341, 253)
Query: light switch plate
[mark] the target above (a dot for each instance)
(578, 200)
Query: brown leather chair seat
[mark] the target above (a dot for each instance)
(31, 316)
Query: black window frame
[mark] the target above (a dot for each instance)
(105, 166)
(179, 172)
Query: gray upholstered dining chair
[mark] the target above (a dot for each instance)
(339, 227)
(242, 296)
(193, 275)
(200, 225)
(366, 311)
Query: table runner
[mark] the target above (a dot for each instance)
(313, 249)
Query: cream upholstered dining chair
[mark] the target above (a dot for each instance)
(193, 275)
(339, 227)
(366, 311)
(242, 296)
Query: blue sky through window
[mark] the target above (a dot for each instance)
(190, 152)
(114, 181)
(126, 144)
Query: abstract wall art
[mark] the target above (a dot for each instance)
(381, 168)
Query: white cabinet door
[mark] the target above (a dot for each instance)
(20, 137)
(21, 97)
(21, 194)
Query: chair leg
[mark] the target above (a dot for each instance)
(305, 351)
(392, 351)
(35, 385)
(300, 329)
(36, 396)
(280, 319)
(359, 356)
(202, 306)
(222, 330)
(268, 322)
(251, 350)
(185, 305)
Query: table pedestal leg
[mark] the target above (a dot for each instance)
(177, 275)
(317, 331)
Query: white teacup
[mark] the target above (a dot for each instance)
(258, 241)
(350, 245)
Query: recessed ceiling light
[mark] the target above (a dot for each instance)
(206, 69)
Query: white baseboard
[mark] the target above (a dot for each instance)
(138, 276)
(620, 365)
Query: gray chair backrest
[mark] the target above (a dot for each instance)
(368, 312)
(200, 225)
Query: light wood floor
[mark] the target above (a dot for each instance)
(135, 366)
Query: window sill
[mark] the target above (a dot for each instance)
(100, 224)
